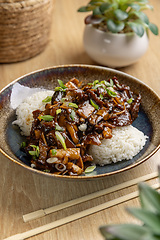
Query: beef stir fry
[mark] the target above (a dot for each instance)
(76, 116)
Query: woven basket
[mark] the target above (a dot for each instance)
(24, 28)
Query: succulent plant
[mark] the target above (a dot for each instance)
(148, 214)
(119, 16)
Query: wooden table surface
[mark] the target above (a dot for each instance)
(22, 191)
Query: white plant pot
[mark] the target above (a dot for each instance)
(114, 50)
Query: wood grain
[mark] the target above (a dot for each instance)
(76, 216)
(43, 212)
(22, 192)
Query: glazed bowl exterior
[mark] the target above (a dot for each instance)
(114, 50)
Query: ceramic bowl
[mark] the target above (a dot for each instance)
(148, 120)
(114, 50)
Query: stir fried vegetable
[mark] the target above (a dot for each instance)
(76, 116)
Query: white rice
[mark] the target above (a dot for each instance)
(25, 109)
(126, 142)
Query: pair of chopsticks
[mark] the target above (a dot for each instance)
(84, 213)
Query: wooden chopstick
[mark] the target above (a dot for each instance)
(76, 216)
(44, 212)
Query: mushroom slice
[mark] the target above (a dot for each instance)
(71, 153)
(74, 168)
(42, 152)
(73, 83)
(85, 110)
(91, 139)
(71, 129)
(80, 163)
(107, 132)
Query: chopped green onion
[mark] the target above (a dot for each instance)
(90, 84)
(35, 152)
(46, 170)
(54, 152)
(58, 111)
(47, 118)
(47, 99)
(23, 144)
(32, 153)
(59, 89)
(61, 139)
(34, 146)
(94, 104)
(118, 85)
(97, 85)
(111, 93)
(130, 100)
(90, 169)
(74, 105)
(101, 96)
(63, 100)
(58, 128)
(111, 82)
(72, 115)
(107, 84)
(61, 84)
(95, 82)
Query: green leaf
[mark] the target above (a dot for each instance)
(61, 139)
(153, 28)
(47, 118)
(120, 15)
(95, 2)
(149, 198)
(126, 232)
(137, 28)
(147, 6)
(149, 218)
(142, 1)
(83, 9)
(134, 6)
(96, 11)
(92, 2)
(104, 7)
(94, 104)
(142, 16)
(115, 27)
